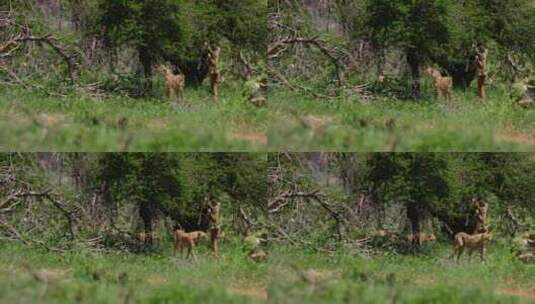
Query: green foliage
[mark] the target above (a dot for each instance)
(445, 32)
(409, 24)
(180, 29)
(123, 84)
(152, 24)
(152, 27)
(140, 177)
(444, 184)
(401, 192)
(241, 22)
(510, 23)
(179, 184)
(392, 88)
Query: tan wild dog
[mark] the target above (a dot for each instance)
(140, 238)
(213, 70)
(187, 240)
(258, 255)
(174, 83)
(480, 65)
(471, 242)
(385, 234)
(143, 238)
(481, 210)
(443, 84)
(215, 227)
(421, 238)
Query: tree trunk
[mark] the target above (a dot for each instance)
(413, 60)
(451, 225)
(413, 214)
(461, 77)
(195, 73)
(145, 212)
(145, 59)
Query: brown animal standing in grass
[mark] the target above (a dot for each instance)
(174, 83)
(480, 65)
(383, 233)
(215, 227)
(471, 242)
(481, 210)
(421, 238)
(140, 238)
(258, 255)
(442, 84)
(213, 70)
(143, 238)
(187, 240)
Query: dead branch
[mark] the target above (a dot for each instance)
(335, 215)
(276, 48)
(7, 49)
(27, 241)
(247, 220)
(248, 69)
(17, 195)
(28, 85)
(276, 204)
(296, 87)
(301, 242)
(66, 213)
(517, 225)
(44, 194)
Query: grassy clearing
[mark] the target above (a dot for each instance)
(290, 276)
(32, 122)
(305, 124)
(86, 277)
(429, 278)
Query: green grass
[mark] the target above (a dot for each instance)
(290, 276)
(83, 276)
(306, 124)
(33, 122)
(428, 278)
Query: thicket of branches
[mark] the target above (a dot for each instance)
(102, 200)
(320, 200)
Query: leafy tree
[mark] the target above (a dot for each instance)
(177, 185)
(235, 25)
(442, 185)
(418, 27)
(151, 26)
(445, 32)
(415, 180)
(149, 181)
